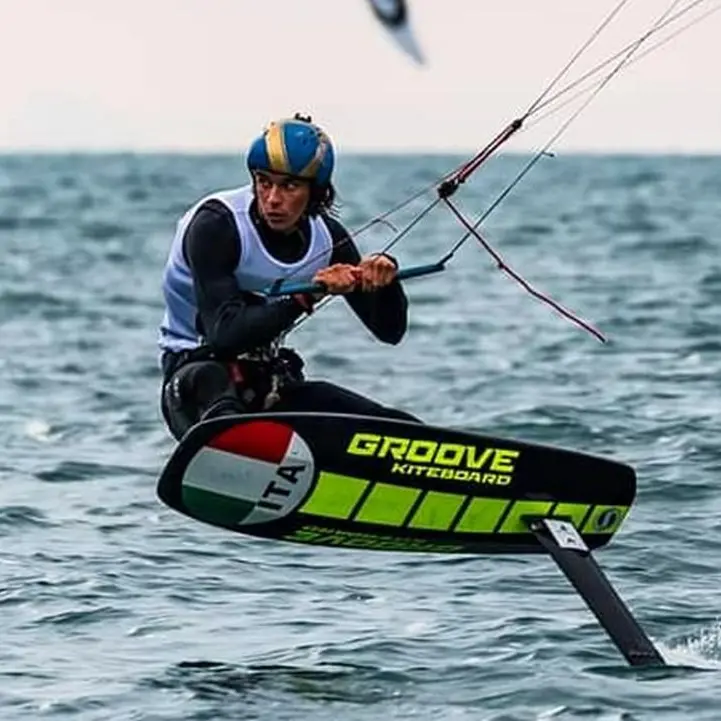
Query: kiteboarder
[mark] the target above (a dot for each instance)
(220, 336)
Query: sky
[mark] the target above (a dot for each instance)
(207, 75)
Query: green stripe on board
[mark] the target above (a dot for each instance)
(334, 495)
(387, 504)
(575, 512)
(514, 522)
(436, 511)
(482, 515)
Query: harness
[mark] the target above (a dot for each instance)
(259, 375)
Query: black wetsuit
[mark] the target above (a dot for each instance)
(205, 382)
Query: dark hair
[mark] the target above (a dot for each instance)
(322, 200)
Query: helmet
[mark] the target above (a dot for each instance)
(295, 147)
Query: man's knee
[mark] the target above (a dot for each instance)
(195, 391)
(204, 381)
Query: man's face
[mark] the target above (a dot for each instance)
(282, 199)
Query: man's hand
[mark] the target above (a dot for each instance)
(339, 278)
(376, 271)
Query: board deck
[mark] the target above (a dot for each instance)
(383, 484)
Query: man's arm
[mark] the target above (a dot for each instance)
(230, 320)
(384, 311)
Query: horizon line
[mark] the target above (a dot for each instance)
(357, 152)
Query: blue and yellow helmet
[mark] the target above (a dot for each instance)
(294, 146)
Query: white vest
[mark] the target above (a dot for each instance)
(256, 271)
